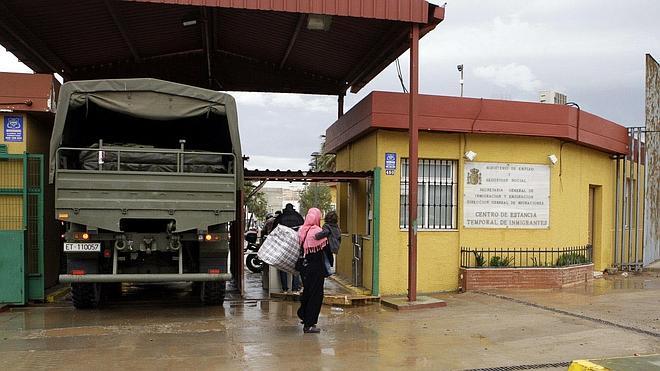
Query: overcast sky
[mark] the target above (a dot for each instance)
(591, 50)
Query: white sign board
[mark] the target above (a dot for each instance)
(499, 195)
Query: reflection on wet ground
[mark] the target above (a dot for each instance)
(154, 326)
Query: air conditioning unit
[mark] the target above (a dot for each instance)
(552, 97)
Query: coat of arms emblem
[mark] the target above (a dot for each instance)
(474, 177)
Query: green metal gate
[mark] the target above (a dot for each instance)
(21, 227)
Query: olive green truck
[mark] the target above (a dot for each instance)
(146, 174)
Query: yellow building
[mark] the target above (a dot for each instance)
(492, 175)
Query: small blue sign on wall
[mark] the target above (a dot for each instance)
(390, 163)
(13, 128)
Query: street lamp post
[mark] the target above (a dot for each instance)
(460, 69)
(316, 156)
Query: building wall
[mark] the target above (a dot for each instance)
(438, 251)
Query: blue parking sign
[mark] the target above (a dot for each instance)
(390, 161)
(13, 128)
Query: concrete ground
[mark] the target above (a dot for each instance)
(163, 327)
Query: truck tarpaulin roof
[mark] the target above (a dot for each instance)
(151, 99)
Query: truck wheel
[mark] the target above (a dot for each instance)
(197, 288)
(85, 295)
(112, 290)
(213, 293)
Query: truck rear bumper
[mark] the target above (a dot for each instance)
(143, 278)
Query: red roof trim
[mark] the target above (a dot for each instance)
(394, 10)
(26, 92)
(382, 110)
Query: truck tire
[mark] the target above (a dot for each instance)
(213, 293)
(85, 295)
(112, 290)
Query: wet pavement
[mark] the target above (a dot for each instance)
(165, 328)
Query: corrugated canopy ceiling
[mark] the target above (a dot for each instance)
(248, 45)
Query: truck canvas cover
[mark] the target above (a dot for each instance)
(150, 99)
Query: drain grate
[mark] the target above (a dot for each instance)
(567, 313)
(522, 367)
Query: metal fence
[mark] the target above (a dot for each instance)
(629, 203)
(525, 258)
(21, 227)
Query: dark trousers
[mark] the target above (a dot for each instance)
(284, 281)
(312, 296)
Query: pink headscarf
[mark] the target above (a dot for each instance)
(307, 232)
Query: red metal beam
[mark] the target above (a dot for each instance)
(122, 29)
(306, 176)
(413, 161)
(395, 35)
(392, 10)
(292, 41)
(11, 24)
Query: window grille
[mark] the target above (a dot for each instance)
(436, 195)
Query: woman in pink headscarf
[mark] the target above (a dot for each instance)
(314, 271)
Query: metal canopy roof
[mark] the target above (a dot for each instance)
(253, 45)
(306, 176)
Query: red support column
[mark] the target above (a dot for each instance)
(413, 163)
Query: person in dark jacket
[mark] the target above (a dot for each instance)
(292, 219)
(332, 232)
(289, 217)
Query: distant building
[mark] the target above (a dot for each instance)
(552, 97)
(278, 197)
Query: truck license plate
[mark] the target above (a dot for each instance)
(82, 247)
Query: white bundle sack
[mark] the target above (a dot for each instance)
(281, 249)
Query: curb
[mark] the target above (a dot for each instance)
(352, 289)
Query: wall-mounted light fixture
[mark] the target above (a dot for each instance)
(318, 22)
(553, 159)
(470, 156)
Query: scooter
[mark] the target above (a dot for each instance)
(252, 261)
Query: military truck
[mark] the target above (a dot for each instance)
(146, 174)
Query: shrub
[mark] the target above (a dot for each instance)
(479, 259)
(497, 261)
(572, 258)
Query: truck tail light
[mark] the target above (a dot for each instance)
(210, 237)
(214, 271)
(78, 272)
(81, 236)
(107, 253)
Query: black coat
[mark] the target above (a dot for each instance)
(290, 218)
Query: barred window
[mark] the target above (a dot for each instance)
(436, 196)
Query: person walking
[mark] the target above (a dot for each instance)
(292, 219)
(314, 271)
